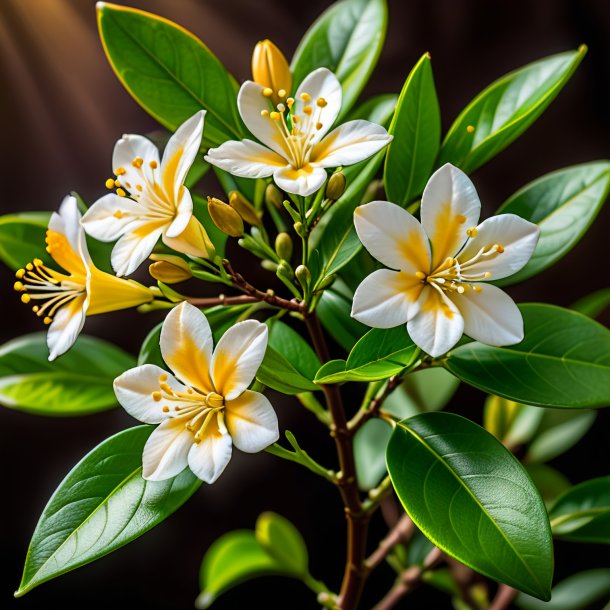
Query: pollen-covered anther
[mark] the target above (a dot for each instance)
(281, 107)
(282, 93)
(120, 192)
(264, 113)
(472, 232)
(117, 183)
(25, 298)
(118, 214)
(319, 125)
(165, 409)
(307, 110)
(275, 116)
(157, 396)
(19, 287)
(47, 320)
(138, 162)
(488, 274)
(267, 92)
(290, 102)
(499, 249)
(153, 164)
(109, 183)
(20, 273)
(420, 274)
(321, 102)
(305, 96)
(162, 378)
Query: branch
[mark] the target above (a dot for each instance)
(401, 532)
(504, 597)
(221, 299)
(375, 405)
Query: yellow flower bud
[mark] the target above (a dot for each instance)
(273, 196)
(336, 186)
(283, 246)
(169, 269)
(244, 208)
(225, 217)
(271, 70)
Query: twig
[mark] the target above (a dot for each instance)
(504, 597)
(375, 405)
(401, 532)
(222, 300)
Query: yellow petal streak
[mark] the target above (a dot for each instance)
(415, 250)
(189, 363)
(193, 241)
(225, 366)
(169, 172)
(64, 255)
(432, 301)
(449, 234)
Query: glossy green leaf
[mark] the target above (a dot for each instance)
(582, 514)
(548, 480)
(281, 539)
(293, 347)
(564, 361)
(377, 109)
(416, 128)
(505, 109)
(593, 304)
(563, 204)
(101, 505)
(169, 71)
(380, 354)
(347, 39)
(473, 499)
(576, 592)
(77, 383)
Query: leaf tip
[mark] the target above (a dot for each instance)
(582, 49)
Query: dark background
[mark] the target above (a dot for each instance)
(62, 110)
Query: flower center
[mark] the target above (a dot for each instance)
(197, 408)
(37, 283)
(297, 130)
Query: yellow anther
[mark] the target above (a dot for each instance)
(275, 116)
(281, 107)
(47, 320)
(267, 92)
(110, 183)
(321, 102)
(117, 183)
(18, 286)
(29, 266)
(163, 378)
(139, 187)
(37, 262)
(264, 113)
(487, 274)
(470, 128)
(118, 214)
(137, 162)
(307, 110)
(20, 273)
(305, 97)
(499, 248)
(282, 93)
(420, 274)
(319, 125)
(295, 120)
(153, 165)
(165, 409)
(121, 192)
(461, 218)
(35, 308)
(472, 232)
(290, 102)
(157, 396)
(119, 171)
(25, 298)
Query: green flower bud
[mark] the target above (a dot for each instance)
(336, 186)
(244, 208)
(300, 229)
(303, 275)
(283, 246)
(284, 271)
(273, 196)
(225, 217)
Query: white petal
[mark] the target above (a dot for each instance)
(251, 102)
(386, 299)
(516, 235)
(179, 154)
(438, 325)
(237, 357)
(111, 216)
(66, 221)
(320, 83)
(193, 241)
(303, 181)
(393, 236)
(166, 450)
(350, 143)
(69, 247)
(183, 216)
(251, 421)
(134, 391)
(186, 346)
(246, 159)
(449, 207)
(490, 316)
(129, 148)
(210, 457)
(134, 247)
(66, 326)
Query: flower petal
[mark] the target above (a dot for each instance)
(134, 391)
(251, 102)
(179, 154)
(186, 346)
(386, 299)
(166, 450)
(126, 150)
(518, 238)
(111, 216)
(438, 325)
(251, 421)
(246, 159)
(449, 207)
(393, 236)
(303, 181)
(193, 241)
(319, 84)
(490, 315)
(66, 326)
(184, 213)
(134, 247)
(208, 458)
(350, 143)
(237, 357)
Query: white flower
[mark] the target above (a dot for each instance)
(206, 407)
(296, 152)
(64, 299)
(159, 204)
(440, 265)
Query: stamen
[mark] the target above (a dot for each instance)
(307, 110)
(321, 102)
(25, 298)
(281, 93)
(472, 232)
(138, 162)
(20, 273)
(165, 409)
(305, 97)
(121, 193)
(162, 377)
(118, 214)
(319, 125)
(420, 274)
(119, 171)
(110, 183)
(275, 116)
(499, 248)
(264, 113)
(281, 107)
(153, 165)
(290, 102)
(19, 287)
(267, 92)
(157, 396)
(117, 183)
(47, 320)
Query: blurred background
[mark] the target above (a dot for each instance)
(62, 110)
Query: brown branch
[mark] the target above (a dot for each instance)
(221, 299)
(401, 532)
(409, 580)
(504, 597)
(375, 405)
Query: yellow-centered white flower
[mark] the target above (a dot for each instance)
(63, 300)
(206, 407)
(436, 284)
(158, 205)
(296, 148)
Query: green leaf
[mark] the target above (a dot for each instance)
(277, 373)
(281, 539)
(101, 505)
(505, 109)
(347, 39)
(77, 383)
(169, 71)
(576, 592)
(564, 361)
(593, 304)
(293, 347)
(370, 444)
(377, 109)
(511, 422)
(416, 128)
(380, 354)
(426, 390)
(563, 204)
(582, 514)
(472, 499)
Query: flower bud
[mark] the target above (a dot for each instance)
(303, 275)
(273, 196)
(336, 186)
(283, 246)
(225, 217)
(244, 208)
(271, 70)
(169, 269)
(284, 271)
(269, 265)
(300, 229)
